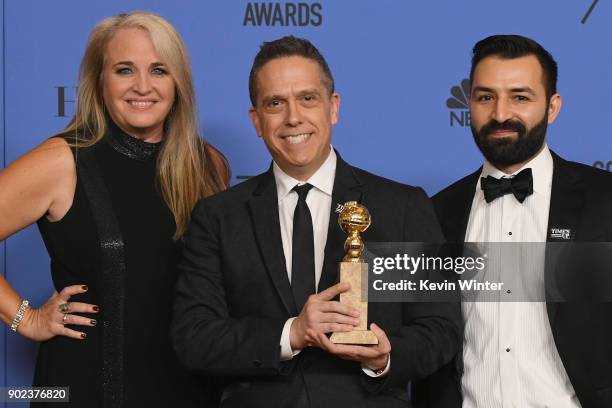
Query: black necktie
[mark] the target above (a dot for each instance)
(302, 256)
(520, 185)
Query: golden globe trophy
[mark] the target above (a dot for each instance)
(355, 219)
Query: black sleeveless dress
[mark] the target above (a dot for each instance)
(117, 239)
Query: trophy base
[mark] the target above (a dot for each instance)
(354, 337)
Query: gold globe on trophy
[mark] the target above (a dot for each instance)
(355, 219)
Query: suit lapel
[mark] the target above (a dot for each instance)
(566, 203)
(455, 228)
(456, 220)
(347, 187)
(263, 207)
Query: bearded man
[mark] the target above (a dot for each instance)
(527, 354)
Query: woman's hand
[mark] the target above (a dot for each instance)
(49, 320)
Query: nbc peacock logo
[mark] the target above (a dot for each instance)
(458, 104)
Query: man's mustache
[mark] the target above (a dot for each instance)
(510, 125)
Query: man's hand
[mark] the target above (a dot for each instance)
(374, 357)
(322, 315)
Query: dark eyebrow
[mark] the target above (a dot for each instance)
(524, 89)
(482, 89)
(302, 93)
(312, 91)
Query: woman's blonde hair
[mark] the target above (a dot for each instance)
(188, 168)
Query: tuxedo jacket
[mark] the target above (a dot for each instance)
(581, 201)
(233, 297)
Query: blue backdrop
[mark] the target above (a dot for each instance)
(396, 65)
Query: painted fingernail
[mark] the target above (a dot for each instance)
(96, 309)
(84, 287)
(93, 322)
(83, 335)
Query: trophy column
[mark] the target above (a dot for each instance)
(353, 220)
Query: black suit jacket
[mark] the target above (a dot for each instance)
(233, 297)
(581, 200)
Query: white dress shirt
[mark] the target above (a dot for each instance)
(319, 200)
(509, 354)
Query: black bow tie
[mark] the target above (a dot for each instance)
(520, 185)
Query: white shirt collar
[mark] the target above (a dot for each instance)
(322, 179)
(541, 166)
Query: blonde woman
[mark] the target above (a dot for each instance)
(112, 195)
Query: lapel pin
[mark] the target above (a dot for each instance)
(339, 208)
(560, 233)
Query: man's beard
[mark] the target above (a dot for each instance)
(505, 151)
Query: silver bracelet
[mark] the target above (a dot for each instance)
(19, 315)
